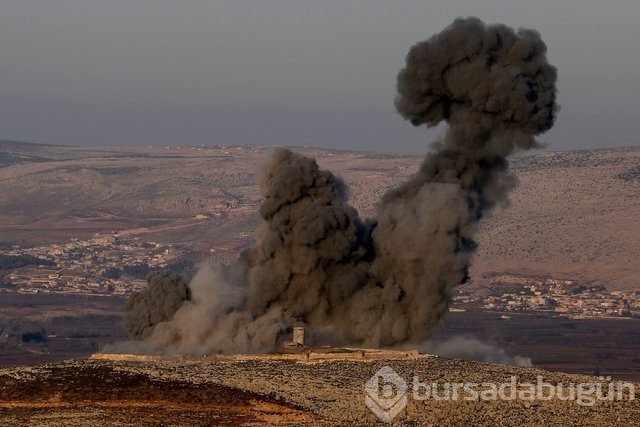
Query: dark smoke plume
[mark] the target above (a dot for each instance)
(158, 302)
(387, 281)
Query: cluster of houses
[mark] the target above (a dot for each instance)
(105, 264)
(563, 297)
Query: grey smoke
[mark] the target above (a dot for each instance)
(473, 349)
(164, 295)
(385, 281)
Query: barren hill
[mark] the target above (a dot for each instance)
(573, 215)
(268, 390)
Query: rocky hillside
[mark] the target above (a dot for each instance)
(268, 390)
(572, 215)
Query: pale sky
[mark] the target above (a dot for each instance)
(301, 73)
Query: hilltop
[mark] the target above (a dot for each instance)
(272, 390)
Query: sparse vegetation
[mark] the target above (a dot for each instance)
(34, 336)
(632, 174)
(16, 261)
(139, 271)
(260, 391)
(112, 273)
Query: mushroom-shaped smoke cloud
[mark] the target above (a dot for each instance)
(386, 281)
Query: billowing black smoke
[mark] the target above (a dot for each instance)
(387, 281)
(165, 293)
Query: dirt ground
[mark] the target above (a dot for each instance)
(98, 394)
(276, 390)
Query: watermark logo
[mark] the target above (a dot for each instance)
(386, 394)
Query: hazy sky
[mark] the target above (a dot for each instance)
(306, 73)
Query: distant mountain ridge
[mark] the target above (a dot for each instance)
(573, 215)
(12, 152)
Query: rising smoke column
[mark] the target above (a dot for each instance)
(496, 90)
(386, 281)
(307, 257)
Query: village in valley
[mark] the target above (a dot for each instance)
(561, 298)
(114, 265)
(103, 265)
